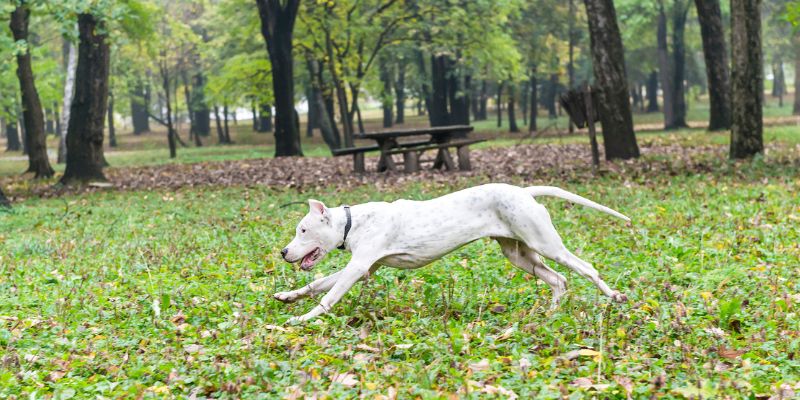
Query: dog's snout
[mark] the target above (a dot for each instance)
(284, 251)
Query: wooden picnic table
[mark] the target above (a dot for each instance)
(440, 139)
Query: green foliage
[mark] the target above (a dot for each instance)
(242, 76)
(235, 56)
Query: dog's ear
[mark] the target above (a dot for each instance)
(316, 207)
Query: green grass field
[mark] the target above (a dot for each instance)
(168, 295)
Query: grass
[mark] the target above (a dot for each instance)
(168, 294)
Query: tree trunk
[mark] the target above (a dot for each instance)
(255, 116)
(796, 108)
(358, 114)
(640, 89)
(571, 60)
(499, 104)
(386, 93)
(188, 97)
(140, 103)
(198, 106)
(458, 95)
(112, 134)
(665, 69)
(324, 107)
(23, 134)
(12, 135)
(534, 102)
(36, 140)
(679, 12)
(312, 116)
(400, 93)
(512, 118)
(165, 85)
(347, 123)
(264, 118)
(779, 82)
(550, 98)
(652, 92)
(277, 23)
(88, 109)
(221, 137)
(747, 78)
(523, 102)
(608, 59)
(439, 114)
(483, 101)
(57, 118)
(49, 127)
(225, 121)
(425, 90)
(634, 98)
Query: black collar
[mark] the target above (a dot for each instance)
(347, 226)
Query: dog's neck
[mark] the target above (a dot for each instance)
(339, 221)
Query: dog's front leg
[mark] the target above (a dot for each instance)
(318, 286)
(352, 273)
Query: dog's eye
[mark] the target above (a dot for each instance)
(302, 230)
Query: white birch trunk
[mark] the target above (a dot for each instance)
(69, 92)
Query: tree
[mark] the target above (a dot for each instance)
(747, 78)
(140, 104)
(85, 158)
(611, 83)
(672, 67)
(346, 38)
(35, 139)
(709, 15)
(277, 25)
(71, 64)
(9, 85)
(796, 106)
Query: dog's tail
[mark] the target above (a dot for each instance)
(572, 197)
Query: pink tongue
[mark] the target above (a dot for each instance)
(307, 261)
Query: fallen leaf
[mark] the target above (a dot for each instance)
(366, 347)
(730, 353)
(481, 365)
(346, 379)
(584, 383)
(506, 334)
(193, 348)
(626, 384)
(498, 308)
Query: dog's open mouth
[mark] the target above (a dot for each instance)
(310, 259)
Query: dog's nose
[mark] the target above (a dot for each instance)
(284, 251)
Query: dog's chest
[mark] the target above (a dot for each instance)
(406, 261)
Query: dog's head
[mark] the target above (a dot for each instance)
(314, 237)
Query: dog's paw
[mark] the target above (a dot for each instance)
(295, 321)
(619, 297)
(286, 297)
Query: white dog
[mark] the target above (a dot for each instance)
(412, 234)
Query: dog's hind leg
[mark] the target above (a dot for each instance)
(537, 231)
(566, 258)
(524, 258)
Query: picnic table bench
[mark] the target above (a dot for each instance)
(439, 138)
